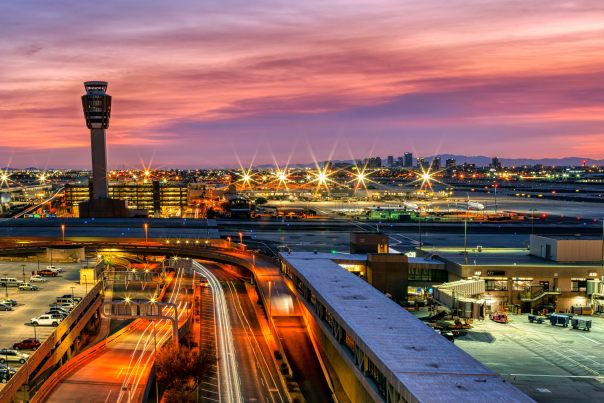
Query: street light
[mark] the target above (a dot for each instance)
(229, 238)
(145, 232)
(63, 230)
(241, 240)
(532, 210)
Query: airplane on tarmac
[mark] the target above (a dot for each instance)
(474, 205)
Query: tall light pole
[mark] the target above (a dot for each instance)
(419, 220)
(229, 238)
(146, 235)
(533, 220)
(63, 230)
(86, 284)
(241, 240)
(496, 186)
(23, 268)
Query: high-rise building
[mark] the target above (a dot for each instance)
(421, 163)
(97, 111)
(450, 163)
(408, 160)
(435, 163)
(390, 160)
(375, 162)
(496, 164)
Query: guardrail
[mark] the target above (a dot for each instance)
(540, 294)
(57, 375)
(47, 348)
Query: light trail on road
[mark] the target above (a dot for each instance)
(227, 349)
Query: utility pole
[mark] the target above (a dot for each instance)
(270, 305)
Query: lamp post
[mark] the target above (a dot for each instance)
(72, 294)
(532, 220)
(229, 238)
(23, 268)
(241, 240)
(419, 220)
(86, 284)
(63, 230)
(496, 186)
(146, 237)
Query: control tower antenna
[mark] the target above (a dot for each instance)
(97, 111)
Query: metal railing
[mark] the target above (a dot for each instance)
(526, 297)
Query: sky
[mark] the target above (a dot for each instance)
(228, 83)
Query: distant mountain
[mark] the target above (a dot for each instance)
(481, 160)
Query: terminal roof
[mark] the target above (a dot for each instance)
(429, 366)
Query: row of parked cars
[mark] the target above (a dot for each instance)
(39, 277)
(55, 315)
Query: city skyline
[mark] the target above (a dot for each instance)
(261, 85)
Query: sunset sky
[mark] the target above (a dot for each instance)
(215, 83)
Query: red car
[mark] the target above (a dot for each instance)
(46, 273)
(27, 344)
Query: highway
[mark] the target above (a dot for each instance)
(230, 388)
(261, 381)
(119, 372)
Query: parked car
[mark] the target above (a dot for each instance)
(10, 282)
(5, 307)
(8, 301)
(6, 374)
(48, 273)
(60, 309)
(28, 287)
(12, 355)
(68, 306)
(27, 344)
(54, 268)
(37, 278)
(47, 320)
(62, 314)
(69, 297)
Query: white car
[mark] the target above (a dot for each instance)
(38, 279)
(13, 355)
(68, 306)
(54, 268)
(47, 320)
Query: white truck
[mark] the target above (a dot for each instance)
(10, 282)
(47, 320)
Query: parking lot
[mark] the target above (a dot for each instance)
(548, 363)
(16, 324)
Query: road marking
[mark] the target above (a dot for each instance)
(590, 339)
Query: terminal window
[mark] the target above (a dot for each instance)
(497, 284)
(578, 285)
(427, 275)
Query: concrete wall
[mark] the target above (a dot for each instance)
(388, 273)
(354, 389)
(568, 250)
(68, 253)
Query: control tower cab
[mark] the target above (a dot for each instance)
(97, 105)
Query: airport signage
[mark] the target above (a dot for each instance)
(496, 273)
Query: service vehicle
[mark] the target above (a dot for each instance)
(27, 344)
(498, 317)
(5, 307)
(37, 278)
(54, 268)
(535, 318)
(28, 287)
(558, 319)
(8, 301)
(47, 320)
(12, 355)
(10, 282)
(47, 272)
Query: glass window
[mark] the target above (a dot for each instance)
(522, 284)
(496, 284)
(578, 285)
(349, 342)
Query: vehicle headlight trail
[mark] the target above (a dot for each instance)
(224, 338)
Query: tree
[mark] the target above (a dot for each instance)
(260, 201)
(210, 213)
(181, 370)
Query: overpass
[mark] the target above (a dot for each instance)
(303, 359)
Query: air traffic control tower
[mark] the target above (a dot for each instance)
(97, 110)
